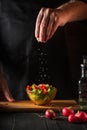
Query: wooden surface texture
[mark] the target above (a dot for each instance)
(56, 105)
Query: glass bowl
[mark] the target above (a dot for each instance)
(41, 94)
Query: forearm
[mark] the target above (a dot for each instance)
(72, 11)
(48, 20)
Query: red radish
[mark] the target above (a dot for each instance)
(82, 116)
(49, 113)
(72, 118)
(66, 111)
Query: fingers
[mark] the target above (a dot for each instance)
(50, 25)
(4, 89)
(46, 24)
(38, 22)
(41, 24)
(6, 92)
(53, 27)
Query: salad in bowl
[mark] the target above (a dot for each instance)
(41, 94)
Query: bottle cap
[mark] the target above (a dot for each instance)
(85, 60)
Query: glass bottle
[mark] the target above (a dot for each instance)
(82, 88)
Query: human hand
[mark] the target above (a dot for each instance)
(4, 91)
(46, 24)
(48, 20)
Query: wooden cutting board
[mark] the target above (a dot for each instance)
(56, 105)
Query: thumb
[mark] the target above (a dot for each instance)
(7, 93)
(5, 90)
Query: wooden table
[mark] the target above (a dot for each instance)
(16, 116)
